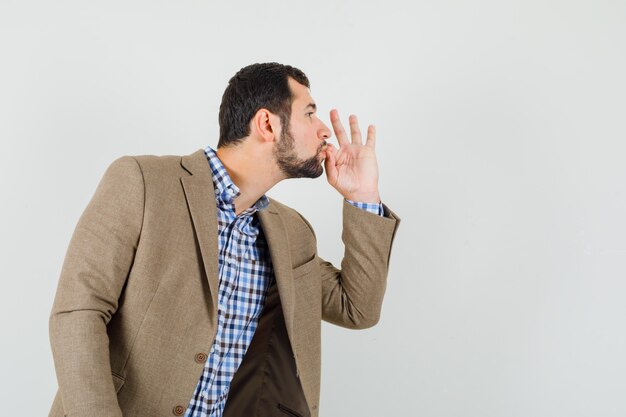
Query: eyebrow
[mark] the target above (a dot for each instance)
(312, 105)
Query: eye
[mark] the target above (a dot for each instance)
(310, 113)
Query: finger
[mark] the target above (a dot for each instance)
(355, 132)
(371, 136)
(329, 164)
(340, 133)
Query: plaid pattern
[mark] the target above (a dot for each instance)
(245, 273)
(376, 208)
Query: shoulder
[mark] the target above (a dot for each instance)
(158, 177)
(160, 173)
(149, 165)
(160, 165)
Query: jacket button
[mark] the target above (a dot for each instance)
(201, 357)
(178, 410)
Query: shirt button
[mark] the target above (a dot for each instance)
(178, 410)
(201, 357)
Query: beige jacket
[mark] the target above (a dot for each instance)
(135, 310)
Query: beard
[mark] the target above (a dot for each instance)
(288, 162)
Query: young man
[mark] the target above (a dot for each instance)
(185, 290)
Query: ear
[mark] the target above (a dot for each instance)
(266, 124)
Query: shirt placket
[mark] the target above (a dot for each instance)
(226, 286)
(226, 307)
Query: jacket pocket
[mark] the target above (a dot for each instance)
(118, 381)
(304, 268)
(288, 410)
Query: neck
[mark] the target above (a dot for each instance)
(252, 169)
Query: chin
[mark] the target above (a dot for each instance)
(317, 174)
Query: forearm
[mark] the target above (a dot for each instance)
(80, 347)
(352, 296)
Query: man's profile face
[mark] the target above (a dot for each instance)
(298, 151)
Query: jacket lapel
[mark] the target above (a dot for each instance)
(200, 196)
(276, 236)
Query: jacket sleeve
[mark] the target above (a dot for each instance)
(352, 296)
(97, 262)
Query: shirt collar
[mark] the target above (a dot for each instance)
(225, 189)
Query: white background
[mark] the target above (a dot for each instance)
(501, 145)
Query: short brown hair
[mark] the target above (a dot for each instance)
(252, 88)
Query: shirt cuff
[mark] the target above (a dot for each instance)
(375, 208)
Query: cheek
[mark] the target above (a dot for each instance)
(299, 132)
(303, 136)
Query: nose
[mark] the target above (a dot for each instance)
(324, 132)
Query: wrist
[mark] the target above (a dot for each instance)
(373, 198)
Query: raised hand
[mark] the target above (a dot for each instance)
(352, 169)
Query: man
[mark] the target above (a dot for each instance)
(187, 291)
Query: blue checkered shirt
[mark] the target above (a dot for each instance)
(245, 274)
